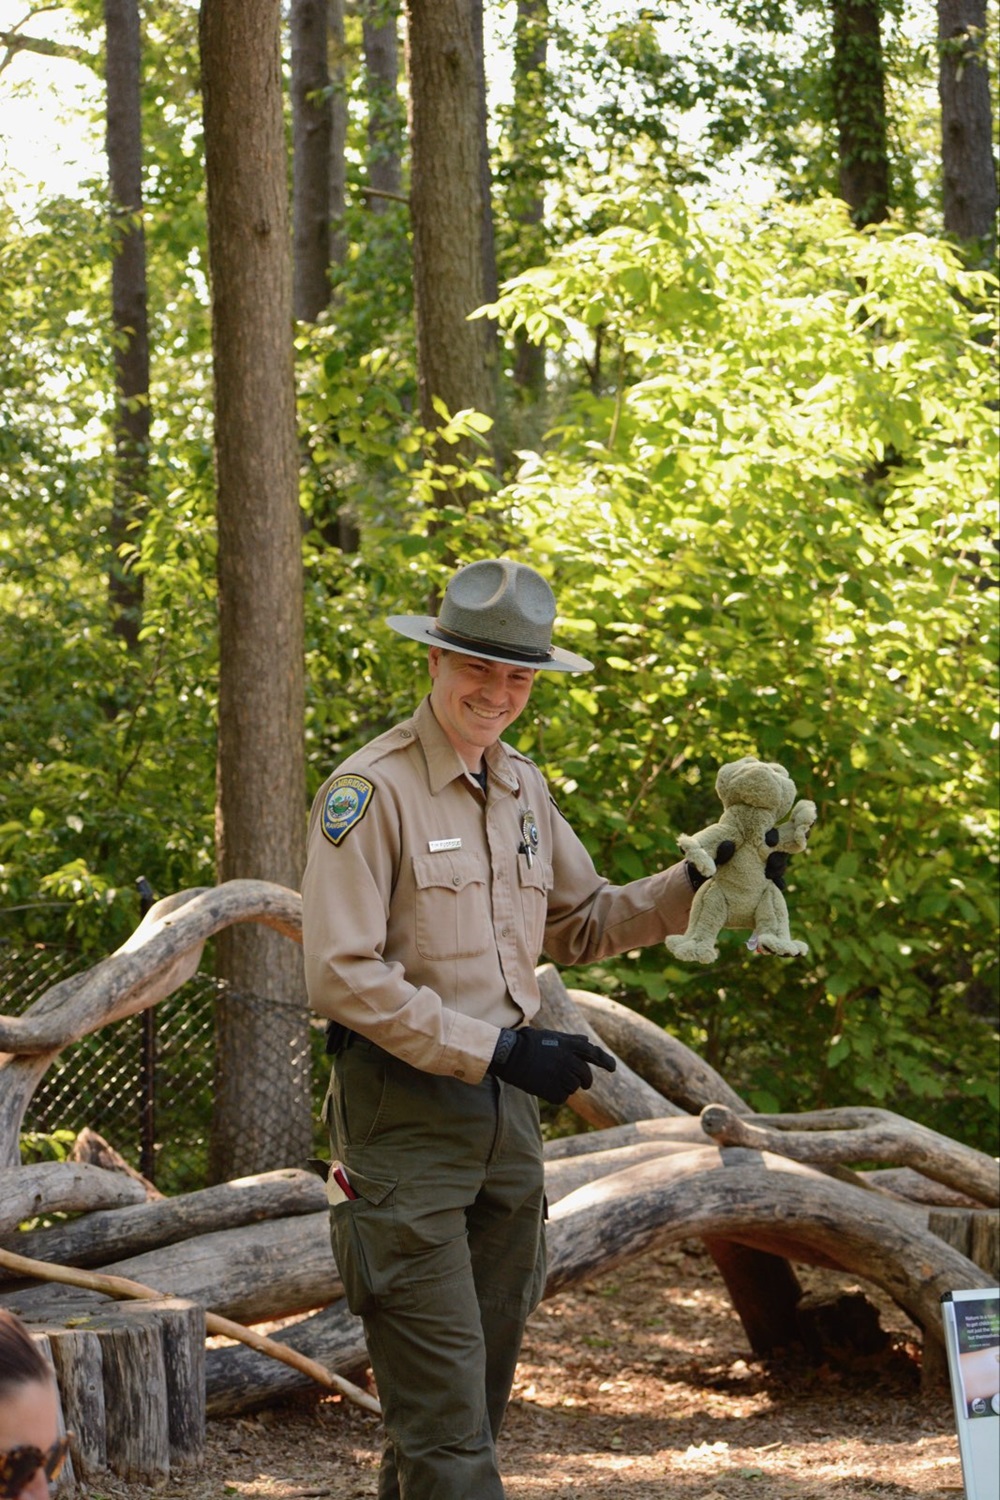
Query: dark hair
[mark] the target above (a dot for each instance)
(21, 1360)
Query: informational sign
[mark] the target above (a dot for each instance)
(972, 1339)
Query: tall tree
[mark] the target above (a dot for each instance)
(128, 315)
(312, 135)
(262, 1114)
(455, 360)
(337, 67)
(529, 127)
(380, 37)
(857, 78)
(968, 170)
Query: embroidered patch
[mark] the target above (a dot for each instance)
(346, 803)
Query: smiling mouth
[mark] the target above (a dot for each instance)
(488, 714)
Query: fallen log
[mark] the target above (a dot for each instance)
(52, 1187)
(771, 1206)
(262, 1271)
(107, 1235)
(871, 1135)
(904, 1182)
(678, 1128)
(767, 1203)
(120, 1287)
(564, 1175)
(665, 1063)
(614, 1097)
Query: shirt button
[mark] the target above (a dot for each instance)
(505, 932)
(456, 880)
(459, 1072)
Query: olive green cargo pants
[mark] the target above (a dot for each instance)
(442, 1255)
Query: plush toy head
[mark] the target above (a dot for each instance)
(732, 855)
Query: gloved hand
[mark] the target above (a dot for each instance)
(551, 1064)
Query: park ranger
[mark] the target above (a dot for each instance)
(439, 869)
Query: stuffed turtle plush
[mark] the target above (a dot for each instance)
(741, 858)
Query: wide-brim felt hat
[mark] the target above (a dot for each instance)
(498, 609)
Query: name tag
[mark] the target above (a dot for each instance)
(436, 845)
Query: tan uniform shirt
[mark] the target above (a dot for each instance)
(423, 917)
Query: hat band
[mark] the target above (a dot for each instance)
(491, 648)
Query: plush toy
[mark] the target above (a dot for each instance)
(741, 857)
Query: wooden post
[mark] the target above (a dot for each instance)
(132, 1383)
(974, 1231)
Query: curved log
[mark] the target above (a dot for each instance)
(685, 1128)
(564, 1175)
(263, 1271)
(878, 1135)
(61, 1187)
(766, 1202)
(666, 1064)
(108, 1235)
(914, 1187)
(162, 953)
(614, 1097)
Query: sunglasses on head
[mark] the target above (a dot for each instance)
(18, 1466)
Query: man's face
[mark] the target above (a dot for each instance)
(474, 699)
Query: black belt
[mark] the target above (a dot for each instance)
(338, 1038)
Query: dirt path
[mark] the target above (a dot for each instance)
(637, 1387)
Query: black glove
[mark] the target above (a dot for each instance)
(551, 1064)
(723, 855)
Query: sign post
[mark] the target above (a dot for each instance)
(972, 1339)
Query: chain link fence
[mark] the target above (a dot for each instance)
(145, 1083)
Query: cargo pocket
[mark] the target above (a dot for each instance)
(360, 1234)
(451, 916)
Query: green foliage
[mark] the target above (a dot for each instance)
(775, 533)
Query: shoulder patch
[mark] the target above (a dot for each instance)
(346, 802)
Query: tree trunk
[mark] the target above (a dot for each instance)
(129, 319)
(526, 191)
(448, 211)
(262, 1114)
(337, 66)
(380, 32)
(312, 128)
(969, 182)
(857, 77)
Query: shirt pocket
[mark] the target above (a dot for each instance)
(451, 910)
(535, 883)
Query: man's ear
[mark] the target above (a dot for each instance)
(433, 660)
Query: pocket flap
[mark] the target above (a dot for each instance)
(452, 870)
(373, 1190)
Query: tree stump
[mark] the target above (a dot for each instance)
(131, 1378)
(973, 1231)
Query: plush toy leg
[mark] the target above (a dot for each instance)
(708, 915)
(771, 925)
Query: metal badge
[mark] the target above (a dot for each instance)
(529, 836)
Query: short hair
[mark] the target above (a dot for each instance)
(21, 1360)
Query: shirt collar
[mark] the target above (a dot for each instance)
(444, 764)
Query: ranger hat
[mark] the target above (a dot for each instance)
(502, 610)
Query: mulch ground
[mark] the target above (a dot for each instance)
(637, 1386)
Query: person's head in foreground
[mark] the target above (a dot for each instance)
(31, 1450)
